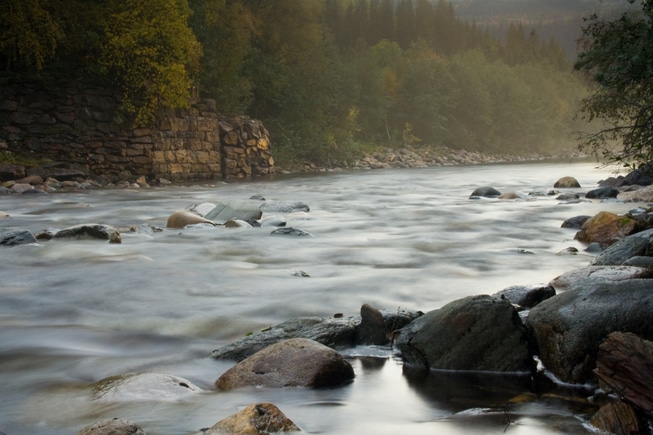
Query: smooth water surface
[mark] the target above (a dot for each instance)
(75, 312)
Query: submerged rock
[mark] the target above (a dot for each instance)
(89, 232)
(297, 362)
(290, 231)
(112, 426)
(602, 193)
(143, 386)
(485, 192)
(592, 275)
(256, 419)
(284, 207)
(15, 238)
(479, 333)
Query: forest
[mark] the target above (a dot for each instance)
(330, 79)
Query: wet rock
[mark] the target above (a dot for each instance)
(575, 222)
(566, 183)
(21, 187)
(638, 244)
(235, 209)
(526, 296)
(591, 275)
(397, 319)
(331, 332)
(296, 362)
(644, 195)
(9, 171)
(90, 232)
(479, 333)
(372, 328)
(143, 386)
(509, 195)
(616, 418)
(15, 238)
(485, 192)
(34, 192)
(237, 223)
(606, 228)
(284, 207)
(256, 419)
(602, 193)
(290, 231)
(568, 197)
(273, 221)
(569, 327)
(113, 426)
(5, 190)
(624, 363)
(639, 261)
(568, 251)
(181, 218)
(201, 209)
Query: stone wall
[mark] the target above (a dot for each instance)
(83, 130)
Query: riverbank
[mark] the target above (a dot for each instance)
(17, 178)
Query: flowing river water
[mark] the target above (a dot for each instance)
(75, 312)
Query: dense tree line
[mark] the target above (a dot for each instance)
(327, 77)
(618, 56)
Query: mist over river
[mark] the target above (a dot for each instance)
(75, 312)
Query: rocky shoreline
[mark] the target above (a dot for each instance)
(589, 329)
(56, 176)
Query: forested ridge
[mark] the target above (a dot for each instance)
(329, 78)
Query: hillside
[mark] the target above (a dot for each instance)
(559, 19)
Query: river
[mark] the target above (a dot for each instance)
(75, 312)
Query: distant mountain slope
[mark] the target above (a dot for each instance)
(558, 19)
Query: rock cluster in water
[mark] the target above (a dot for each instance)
(591, 326)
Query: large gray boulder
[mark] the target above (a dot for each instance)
(479, 333)
(236, 209)
(638, 244)
(297, 362)
(569, 327)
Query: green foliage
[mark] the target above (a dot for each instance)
(618, 56)
(29, 34)
(151, 51)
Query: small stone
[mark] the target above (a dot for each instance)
(114, 426)
(256, 419)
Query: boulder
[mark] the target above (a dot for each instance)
(569, 327)
(372, 328)
(638, 244)
(606, 228)
(485, 192)
(479, 333)
(143, 386)
(89, 232)
(331, 332)
(509, 195)
(592, 275)
(296, 362)
(256, 419)
(602, 193)
(181, 218)
(568, 197)
(575, 222)
(566, 183)
(15, 238)
(624, 363)
(616, 418)
(236, 209)
(112, 426)
(526, 296)
(644, 194)
(21, 187)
